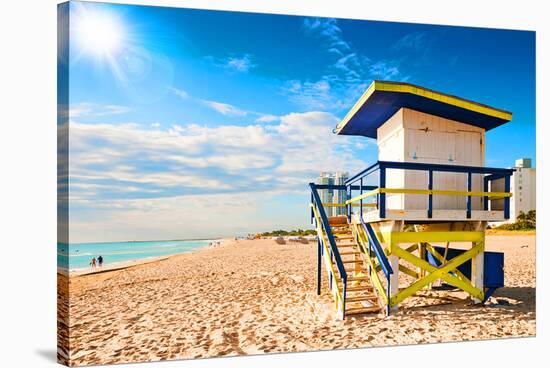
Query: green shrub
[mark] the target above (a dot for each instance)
(298, 232)
(524, 221)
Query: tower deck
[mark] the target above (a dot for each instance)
(381, 203)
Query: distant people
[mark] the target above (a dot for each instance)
(93, 263)
(100, 261)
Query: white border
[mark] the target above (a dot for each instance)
(28, 180)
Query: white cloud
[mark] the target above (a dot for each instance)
(384, 70)
(307, 126)
(242, 64)
(221, 107)
(134, 176)
(179, 92)
(415, 40)
(88, 109)
(189, 216)
(181, 156)
(347, 75)
(224, 108)
(329, 29)
(311, 95)
(237, 64)
(267, 118)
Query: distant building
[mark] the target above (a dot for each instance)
(339, 196)
(333, 196)
(523, 188)
(326, 195)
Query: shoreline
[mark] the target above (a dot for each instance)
(140, 241)
(117, 266)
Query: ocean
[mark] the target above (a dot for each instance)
(76, 257)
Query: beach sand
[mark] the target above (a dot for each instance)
(257, 296)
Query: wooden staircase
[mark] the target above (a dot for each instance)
(360, 294)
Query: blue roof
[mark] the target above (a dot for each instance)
(383, 99)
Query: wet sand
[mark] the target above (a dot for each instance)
(257, 296)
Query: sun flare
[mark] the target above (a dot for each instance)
(99, 34)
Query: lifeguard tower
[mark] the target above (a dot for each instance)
(430, 185)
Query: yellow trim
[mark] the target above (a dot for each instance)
(437, 273)
(364, 97)
(443, 261)
(442, 97)
(458, 193)
(363, 196)
(434, 236)
(422, 92)
(344, 205)
(408, 271)
(427, 273)
(412, 248)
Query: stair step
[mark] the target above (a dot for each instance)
(353, 261)
(344, 238)
(355, 299)
(345, 245)
(338, 220)
(357, 278)
(358, 288)
(362, 310)
(349, 253)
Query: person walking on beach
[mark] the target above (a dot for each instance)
(100, 261)
(93, 262)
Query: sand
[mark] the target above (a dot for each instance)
(256, 296)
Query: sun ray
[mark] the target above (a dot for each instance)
(100, 35)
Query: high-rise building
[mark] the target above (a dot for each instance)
(523, 188)
(326, 195)
(339, 196)
(333, 196)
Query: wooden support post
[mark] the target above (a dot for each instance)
(397, 226)
(477, 262)
(394, 279)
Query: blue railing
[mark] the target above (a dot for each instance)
(380, 167)
(334, 253)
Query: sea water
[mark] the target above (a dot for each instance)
(76, 257)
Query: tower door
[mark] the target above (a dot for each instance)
(470, 151)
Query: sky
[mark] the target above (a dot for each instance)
(199, 124)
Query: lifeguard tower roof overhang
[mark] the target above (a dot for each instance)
(383, 99)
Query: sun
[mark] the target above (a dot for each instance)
(98, 33)
(106, 43)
